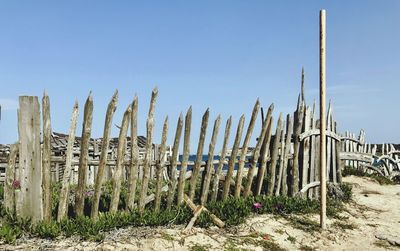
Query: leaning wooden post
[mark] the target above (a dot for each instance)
(63, 204)
(103, 155)
(274, 157)
(134, 165)
(84, 155)
(46, 154)
(322, 88)
(160, 166)
(210, 162)
(199, 155)
(215, 185)
(11, 184)
(29, 203)
(173, 163)
(149, 147)
(116, 179)
(232, 159)
(185, 157)
(298, 124)
(243, 153)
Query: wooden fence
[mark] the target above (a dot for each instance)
(284, 160)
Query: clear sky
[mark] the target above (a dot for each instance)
(217, 54)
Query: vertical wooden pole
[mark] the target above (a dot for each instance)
(116, 179)
(84, 155)
(63, 204)
(149, 147)
(274, 157)
(185, 157)
(134, 165)
(9, 186)
(322, 64)
(46, 154)
(29, 203)
(161, 165)
(103, 155)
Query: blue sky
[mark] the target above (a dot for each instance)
(217, 54)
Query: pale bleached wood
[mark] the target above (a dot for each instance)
(199, 155)
(46, 154)
(217, 174)
(334, 152)
(243, 152)
(9, 189)
(84, 155)
(112, 105)
(256, 152)
(185, 157)
(298, 123)
(232, 159)
(161, 166)
(280, 173)
(29, 202)
(173, 163)
(328, 141)
(274, 157)
(306, 148)
(116, 179)
(210, 166)
(288, 143)
(134, 161)
(312, 150)
(264, 155)
(63, 202)
(149, 148)
(322, 92)
(218, 222)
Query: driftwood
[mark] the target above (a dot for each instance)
(274, 157)
(288, 140)
(161, 165)
(298, 122)
(83, 161)
(103, 156)
(9, 186)
(134, 162)
(46, 153)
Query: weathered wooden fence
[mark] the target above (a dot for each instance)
(281, 163)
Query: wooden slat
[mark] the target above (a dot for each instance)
(112, 105)
(46, 153)
(274, 157)
(243, 153)
(116, 179)
(297, 130)
(63, 202)
(215, 185)
(160, 166)
(232, 159)
(185, 157)
(149, 148)
(306, 148)
(9, 189)
(288, 143)
(84, 155)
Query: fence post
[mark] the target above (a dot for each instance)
(46, 154)
(10, 185)
(29, 203)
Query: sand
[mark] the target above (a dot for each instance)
(372, 217)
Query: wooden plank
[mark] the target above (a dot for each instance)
(10, 186)
(256, 152)
(306, 148)
(210, 166)
(29, 203)
(161, 166)
(134, 161)
(84, 155)
(185, 157)
(46, 153)
(280, 174)
(173, 160)
(149, 148)
(298, 124)
(116, 179)
(328, 141)
(288, 143)
(334, 153)
(274, 157)
(112, 105)
(63, 202)
(199, 155)
(232, 159)
(243, 153)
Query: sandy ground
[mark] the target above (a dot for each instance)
(373, 215)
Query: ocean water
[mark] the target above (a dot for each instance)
(192, 157)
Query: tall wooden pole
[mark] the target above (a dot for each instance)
(322, 121)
